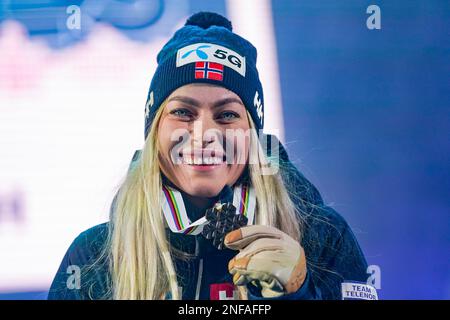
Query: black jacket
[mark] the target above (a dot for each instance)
(332, 252)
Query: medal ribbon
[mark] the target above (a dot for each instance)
(178, 221)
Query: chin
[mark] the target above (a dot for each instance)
(207, 190)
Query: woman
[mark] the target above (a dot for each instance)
(203, 122)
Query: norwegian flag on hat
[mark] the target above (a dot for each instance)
(208, 70)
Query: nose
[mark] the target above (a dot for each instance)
(205, 130)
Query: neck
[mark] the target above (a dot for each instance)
(200, 203)
(196, 203)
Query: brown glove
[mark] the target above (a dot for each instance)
(268, 258)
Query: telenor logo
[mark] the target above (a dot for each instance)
(201, 54)
(212, 53)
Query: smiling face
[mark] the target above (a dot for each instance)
(193, 137)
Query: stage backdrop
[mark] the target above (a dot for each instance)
(364, 114)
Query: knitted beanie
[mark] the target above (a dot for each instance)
(205, 50)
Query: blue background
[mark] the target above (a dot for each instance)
(366, 119)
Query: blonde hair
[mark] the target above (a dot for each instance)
(141, 259)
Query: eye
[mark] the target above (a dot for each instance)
(181, 113)
(228, 116)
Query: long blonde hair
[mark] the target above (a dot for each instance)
(141, 260)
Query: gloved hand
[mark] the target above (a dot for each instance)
(268, 258)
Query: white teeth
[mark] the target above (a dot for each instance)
(187, 160)
(199, 160)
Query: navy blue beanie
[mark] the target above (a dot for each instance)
(205, 50)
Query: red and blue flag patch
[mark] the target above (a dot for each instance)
(208, 70)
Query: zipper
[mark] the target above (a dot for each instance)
(199, 279)
(200, 271)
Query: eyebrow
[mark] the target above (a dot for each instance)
(197, 103)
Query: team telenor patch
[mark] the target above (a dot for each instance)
(209, 70)
(213, 53)
(358, 291)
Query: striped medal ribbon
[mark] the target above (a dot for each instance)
(176, 216)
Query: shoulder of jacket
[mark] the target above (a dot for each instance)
(99, 230)
(327, 234)
(89, 243)
(329, 216)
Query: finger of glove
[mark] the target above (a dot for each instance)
(289, 269)
(268, 244)
(240, 279)
(278, 263)
(272, 283)
(240, 238)
(265, 261)
(272, 292)
(243, 258)
(269, 285)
